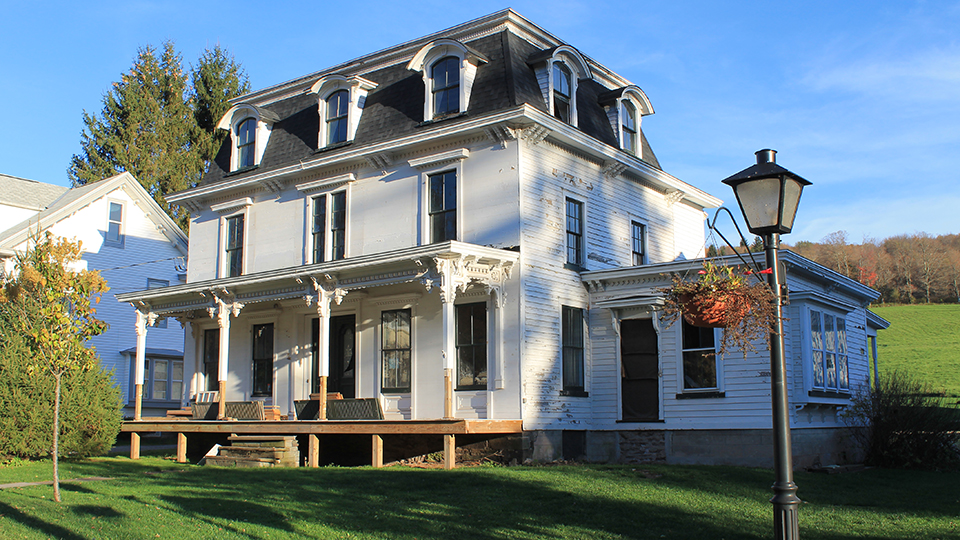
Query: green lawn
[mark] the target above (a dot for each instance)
(924, 340)
(156, 498)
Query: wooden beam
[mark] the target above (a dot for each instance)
(138, 403)
(449, 451)
(313, 451)
(222, 400)
(134, 446)
(346, 427)
(323, 398)
(377, 451)
(181, 447)
(448, 393)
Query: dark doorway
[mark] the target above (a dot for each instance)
(343, 355)
(639, 371)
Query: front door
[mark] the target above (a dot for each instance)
(342, 355)
(639, 371)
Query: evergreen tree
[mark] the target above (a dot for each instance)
(155, 126)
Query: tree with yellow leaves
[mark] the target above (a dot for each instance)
(50, 302)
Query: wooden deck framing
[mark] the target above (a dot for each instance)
(449, 428)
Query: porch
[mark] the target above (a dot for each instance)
(449, 429)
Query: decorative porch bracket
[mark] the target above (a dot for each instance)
(326, 290)
(226, 305)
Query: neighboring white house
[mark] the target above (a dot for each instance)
(132, 243)
(458, 207)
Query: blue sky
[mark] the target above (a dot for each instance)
(860, 98)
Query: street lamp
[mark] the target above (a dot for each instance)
(768, 196)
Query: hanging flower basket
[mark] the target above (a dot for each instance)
(722, 298)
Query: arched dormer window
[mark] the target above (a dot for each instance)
(448, 68)
(626, 107)
(340, 104)
(445, 82)
(249, 127)
(558, 71)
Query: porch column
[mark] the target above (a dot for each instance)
(453, 277)
(323, 344)
(224, 311)
(138, 366)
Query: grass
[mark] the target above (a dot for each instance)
(156, 498)
(923, 340)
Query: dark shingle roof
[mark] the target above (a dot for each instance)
(395, 108)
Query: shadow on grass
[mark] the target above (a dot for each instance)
(48, 529)
(96, 511)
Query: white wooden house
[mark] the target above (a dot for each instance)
(132, 243)
(429, 226)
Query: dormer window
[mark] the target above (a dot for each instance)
(628, 127)
(337, 115)
(246, 138)
(340, 104)
(445, 77)
(249, 128)
(625, 108)
(558, 71)
(449, 69)
(561, 92)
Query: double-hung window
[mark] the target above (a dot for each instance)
(233, 250)
(211, 357)
(329, 226)
(114, 234)
(699, 358)
(246, 143)
(395, 348)
(628, 127)
(571, 332)
(263, 359)
(443, 206)
(472, 346)
(445, 79)
(337, 110)
(829, 346)
(561, 92)
(574, 232)
(638, 242)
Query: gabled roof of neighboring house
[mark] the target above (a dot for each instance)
(75, 199)
(28, 194)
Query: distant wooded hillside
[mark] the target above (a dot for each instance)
(906, 269)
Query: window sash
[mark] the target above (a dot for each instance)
(396, 350)
(263, 359)
(443, 206)
(561, 93)
(337, 110)
(638, 241)
(445, 79)
(319, 228)
(115, 223)
(338, 225)
(471, 345)
(628, 127)
(699, 358)
(574, 232)
(163, 379)
(572, 338)
(234, 247)
(211, 357)
(829, 356)
(246, 142)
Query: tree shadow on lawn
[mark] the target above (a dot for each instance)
(396, 503)
(48, 529)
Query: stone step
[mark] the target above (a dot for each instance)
(224, 461)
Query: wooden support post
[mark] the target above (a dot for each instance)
(313, 450)
(222, 403)
(138, 404)
(323, 398)
(448, 393)
(181, 447)
(377, 452)
(449, 451)
(134, 445)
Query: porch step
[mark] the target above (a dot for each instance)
(258, 451)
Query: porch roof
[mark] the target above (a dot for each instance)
(473, 263)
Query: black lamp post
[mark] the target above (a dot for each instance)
(768, 196)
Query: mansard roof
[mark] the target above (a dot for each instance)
(395, 108)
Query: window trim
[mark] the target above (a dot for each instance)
(484, 346)
(444, 211)
(357, 89)
(224, 244)
(554, 93)
(565, 388)
(211, 379)
(428, 56)
(823, 390)
(431, 166)
(634, 224)
(122, 234)
(328, 231)
(254, 360)
(580, 249)
(381, 350)
(713, 391)
(231, 121)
